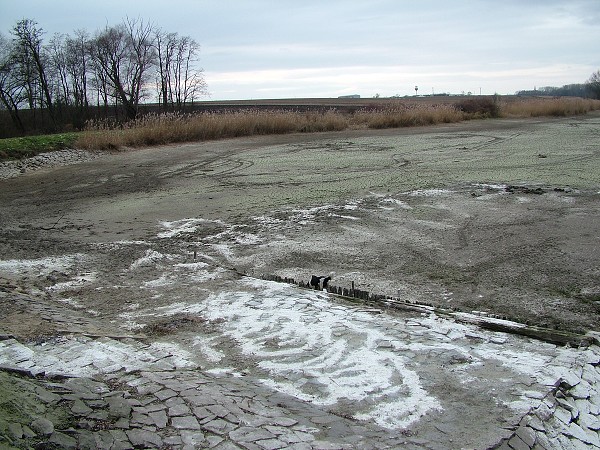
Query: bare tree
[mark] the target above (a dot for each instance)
(188, 82)
(78, 65)
(593, 84)
(28, 40)
(124, 55)
(165, 44)
(11, 88)
(59, 76)
(178, 79)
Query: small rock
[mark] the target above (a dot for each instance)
(179, 410)
(144, 438)
(42, 426)
(118, 407)
(563, 415)
(63, 441)
(16, 430)
(160, 418)
(577, 432)
(79, 408)
(185, 422)
(527, 435)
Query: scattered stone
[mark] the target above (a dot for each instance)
(283, 421)
(196, 438)
(42, 426)
(63, 441)
(144, 438)
(250, 434)
(527, 435)
(185, 422)
(165, 394)
(574, 430)
(79, 408)
(160, 418)
(16, 430)
(271, 444)
(563, 415)
(179, 410)
(118, 407)
(219, 426)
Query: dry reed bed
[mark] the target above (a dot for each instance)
(173, 128)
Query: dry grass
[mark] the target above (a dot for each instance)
(538, 107)
(173, 128)
(400, 114)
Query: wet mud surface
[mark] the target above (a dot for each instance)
(161, 251)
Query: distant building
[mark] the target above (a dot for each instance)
(349, 96)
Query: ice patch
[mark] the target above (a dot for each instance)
(205, 346)
(343, 217)
(79, 281)
(41, 266)
(396, 202)
(290, 336)
(163, 280)
(71, 302)
(429, 192)
(150, 258)
(183, 226)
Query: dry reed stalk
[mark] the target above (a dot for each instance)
(160, 129)
(537, 107)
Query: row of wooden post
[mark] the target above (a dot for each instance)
(352, 292)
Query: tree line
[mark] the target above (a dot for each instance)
(589, 89)
(71, 78)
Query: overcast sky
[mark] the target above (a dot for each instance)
(326, 48)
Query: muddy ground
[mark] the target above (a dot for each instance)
(496, 216)
(128, 263)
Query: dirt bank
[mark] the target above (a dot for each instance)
(424, 213)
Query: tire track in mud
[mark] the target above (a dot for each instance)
(214, 167)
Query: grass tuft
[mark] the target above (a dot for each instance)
(26, 147)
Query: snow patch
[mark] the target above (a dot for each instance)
(183, 226)
(150, 258)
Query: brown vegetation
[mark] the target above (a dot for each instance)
(160, 129)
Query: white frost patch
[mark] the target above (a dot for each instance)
(523, 200)
(343, 217)
(183, 226)
(491, 186)
(224, 250)
(297, 334)
(176, 354)
(71, 302)
(128, 321)
(429, 192)
(163, 280)
(396, 202)
(527, 363)
(247, 239)
(150, 258)
(41, 266)
(206, 348)
(85, 357)
(79, 281)
(192, 266)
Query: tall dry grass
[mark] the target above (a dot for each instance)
(163, 129)
(175, 128)
(550, 107)
(399, 114)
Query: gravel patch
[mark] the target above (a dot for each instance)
(14, 168)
